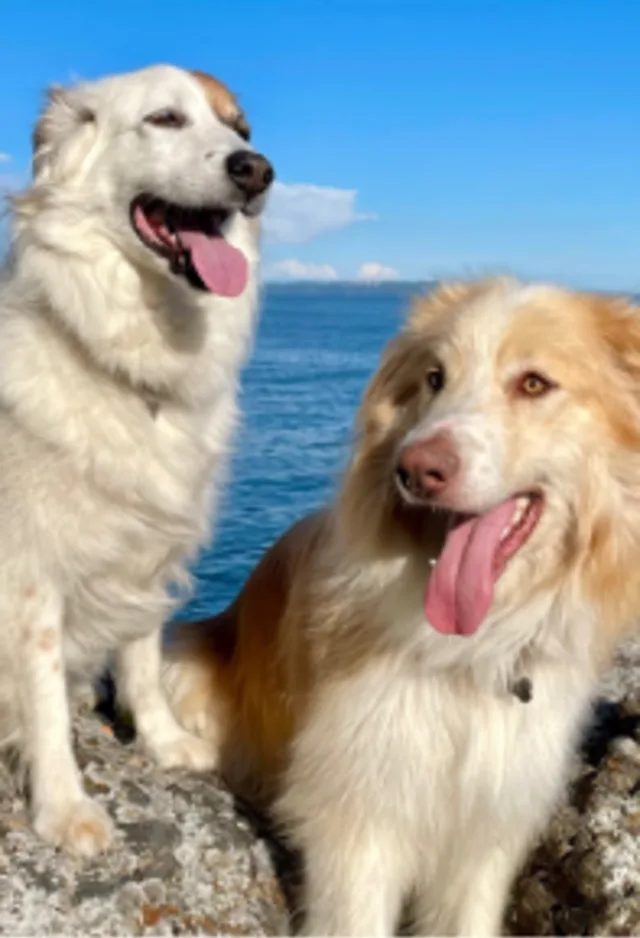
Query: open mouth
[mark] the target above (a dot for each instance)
(192, 243)
(476, 551)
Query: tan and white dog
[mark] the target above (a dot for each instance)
(127, 311)
(406, 673)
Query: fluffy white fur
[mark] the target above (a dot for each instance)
(118, 388)
(412, 779)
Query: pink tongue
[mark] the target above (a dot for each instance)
(222, 268)
(460, 589)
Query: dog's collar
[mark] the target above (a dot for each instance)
(522, 688)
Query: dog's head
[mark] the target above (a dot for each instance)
(161, 159)
(506, 419)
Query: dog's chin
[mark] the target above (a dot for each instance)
(191, 243)
(256, 206)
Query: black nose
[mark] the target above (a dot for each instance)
(251, 172)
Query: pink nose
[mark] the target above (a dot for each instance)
(426, 468)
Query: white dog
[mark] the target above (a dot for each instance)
(126, 314)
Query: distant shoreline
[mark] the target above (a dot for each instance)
(347, 287)
(395, 288)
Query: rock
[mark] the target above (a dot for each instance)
(187, 861)
(584, 877)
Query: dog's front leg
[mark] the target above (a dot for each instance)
(357, 871)
(63, 814)
(471, 900)
(139, 687)
(355, 880)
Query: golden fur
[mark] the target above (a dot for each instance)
(396, 757)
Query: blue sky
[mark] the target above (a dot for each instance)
(430, 138)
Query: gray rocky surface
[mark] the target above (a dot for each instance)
(186, 861)
(584, 878)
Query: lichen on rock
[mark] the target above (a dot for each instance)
(187, 861)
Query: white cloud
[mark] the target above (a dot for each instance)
(292, 269)
(4, 157)
(300, 212)
(373, 272)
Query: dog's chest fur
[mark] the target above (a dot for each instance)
(433, 760)
(113, 489)
(130, 546)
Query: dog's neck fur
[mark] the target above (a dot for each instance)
(156, 333)
(121, 348)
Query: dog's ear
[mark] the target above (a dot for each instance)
(64, 112)
(379, 398)
(618, 322)
(223, 102)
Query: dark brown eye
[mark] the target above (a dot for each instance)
(435, 378)
(167, 117)
(242, 128)
(532, 384)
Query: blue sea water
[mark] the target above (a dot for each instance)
(315, 351)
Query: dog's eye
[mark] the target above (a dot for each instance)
(167, 117)
(532, 384)
(435, 378)
(242, 128)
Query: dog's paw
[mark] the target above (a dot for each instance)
(83, 828)
(184, 750)
(200, 722)
(191, 696)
